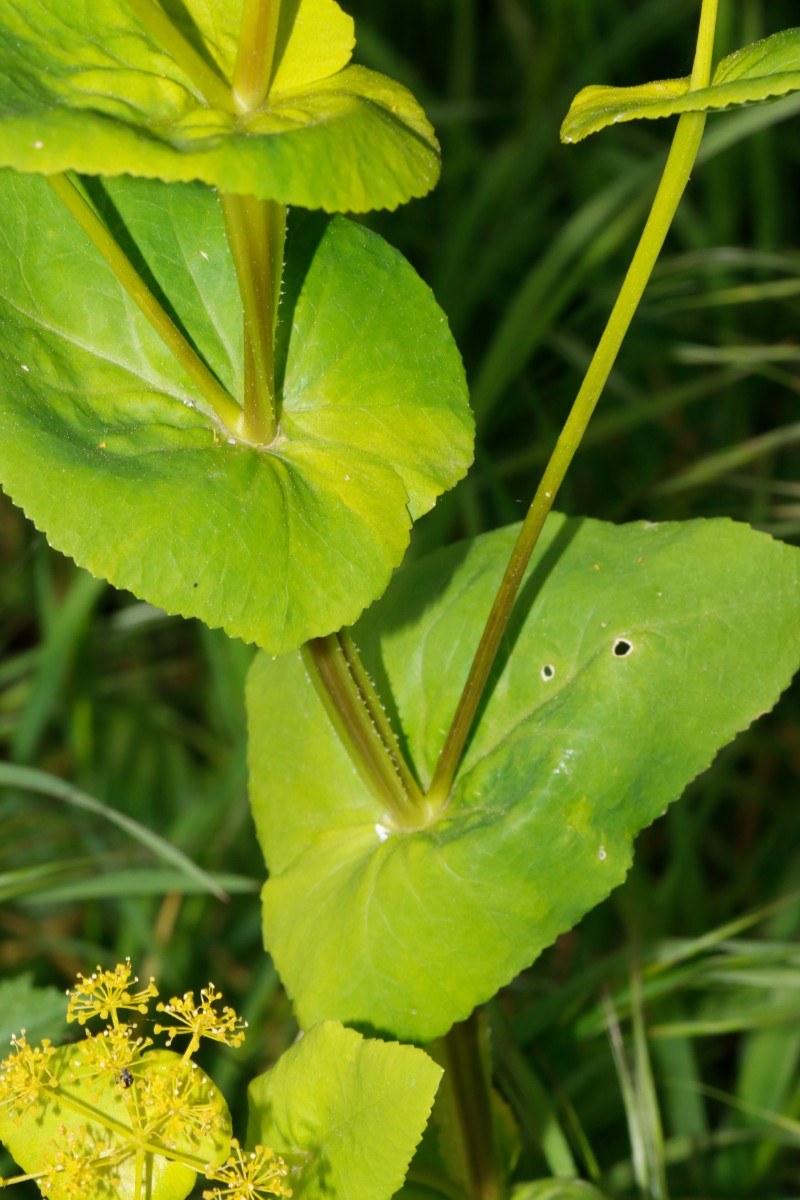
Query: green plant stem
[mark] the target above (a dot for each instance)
(378, 716)
(344, 703)
(211, 87)
(137, 1187)
(682, 155)
(256, 51)
(469, 1092)
(256, 232)
(226, 409)
(126, 1132)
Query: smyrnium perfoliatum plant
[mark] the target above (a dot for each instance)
(88, 1118)
(118, 1116)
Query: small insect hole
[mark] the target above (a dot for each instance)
(622, 648)
(548, 671)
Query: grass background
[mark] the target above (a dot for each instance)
(656, 1048)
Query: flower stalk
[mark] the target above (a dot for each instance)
(681, 159)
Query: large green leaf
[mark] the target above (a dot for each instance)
(99, 444)
(85, 86)
(345, 1112)
(97, 1116)
(762, 71)
(634, 654)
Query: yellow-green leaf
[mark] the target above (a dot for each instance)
(112, 452)
(315, 37)
(763, 71)
(119, 102)
(303, 55)
(635, 652)
(346, 1112)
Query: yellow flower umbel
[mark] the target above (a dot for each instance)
(250, 1175)
(90, 1120)
(82, 1166)
(115, 1053)
(178, 1103)
(201, 1020)
(25, 1073)
(103, 993)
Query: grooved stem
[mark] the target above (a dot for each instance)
(256, 233)
(469, 1092)
(256, 51)
(344, 703)
(378, 717)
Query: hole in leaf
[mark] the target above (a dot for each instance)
(622, 648)
(548, 672)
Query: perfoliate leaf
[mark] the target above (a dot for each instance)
(345, 1112)
(115, 102)
(315, 37)
(762, 71)
(109, 448)
(635, 652)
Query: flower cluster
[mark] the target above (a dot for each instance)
(201, 1020)
(25, 1074)
(79, 1117)
(250, 1175)
(82, 1164)
(104, 993)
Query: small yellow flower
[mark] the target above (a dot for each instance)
(113, 1054)
(202, 1020)
(249, 1175)
(104, 993)
(177, 1105)
(83, 1165)
(25, 1073)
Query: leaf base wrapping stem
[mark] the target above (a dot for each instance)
(257, 233)
(349, 713)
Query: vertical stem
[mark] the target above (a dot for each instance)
(137, 1183)
(378, 716)
(256, 232)
(211, 87)
(469, 1092)
(253, 72)
(337, 689)
(218, 399)
(682, 155)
